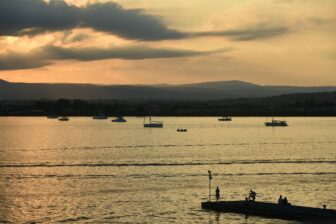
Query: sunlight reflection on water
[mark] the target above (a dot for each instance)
(88, 171)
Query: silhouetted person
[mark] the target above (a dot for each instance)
(253, 195)
(285, 201)
(280, 200)
(217, 193)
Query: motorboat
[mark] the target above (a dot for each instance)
(100, 117)
(63, 118)
(119, 119)
(276, 123)
(225, 119)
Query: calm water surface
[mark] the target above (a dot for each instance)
(96, 171)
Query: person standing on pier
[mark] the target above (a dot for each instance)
(217, 194)
(280, 200)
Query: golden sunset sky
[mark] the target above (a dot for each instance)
(273, 42)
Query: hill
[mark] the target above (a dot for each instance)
(198, 91)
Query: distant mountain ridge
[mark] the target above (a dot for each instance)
(197, 91)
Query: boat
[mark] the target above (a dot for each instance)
(153, 124)
(63, 118)
(100, 117)
(182, 130)
(225, 119)
(272, 210)
(119, 119)
(276, 123)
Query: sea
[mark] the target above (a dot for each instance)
(98, 171)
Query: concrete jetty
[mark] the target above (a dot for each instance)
(272, 210)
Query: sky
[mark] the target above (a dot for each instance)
(268, 42)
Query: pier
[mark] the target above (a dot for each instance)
(271, 210)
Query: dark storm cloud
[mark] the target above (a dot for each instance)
(22, 17)
(31, 17)
(26, 17)
(45, 55)
(130, 24)
(15, 61)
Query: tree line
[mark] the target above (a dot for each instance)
(308, 104)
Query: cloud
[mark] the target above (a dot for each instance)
(45, 55)
(35, 16)
(31, 17)
(15, 61)
(68, 37)
(247, 34)
(127, 23)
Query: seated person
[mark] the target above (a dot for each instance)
(252, 195)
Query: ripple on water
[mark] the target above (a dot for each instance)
(87, 173)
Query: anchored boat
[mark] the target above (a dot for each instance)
(100, 117)
(63, 118)
(152, 124)
(276, 123)
(225, 119)
(119, 119)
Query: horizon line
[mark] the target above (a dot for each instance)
(165, 84)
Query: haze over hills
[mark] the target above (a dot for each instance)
(196, 91)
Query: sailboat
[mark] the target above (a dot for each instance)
(276, 123)
(152, 124)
